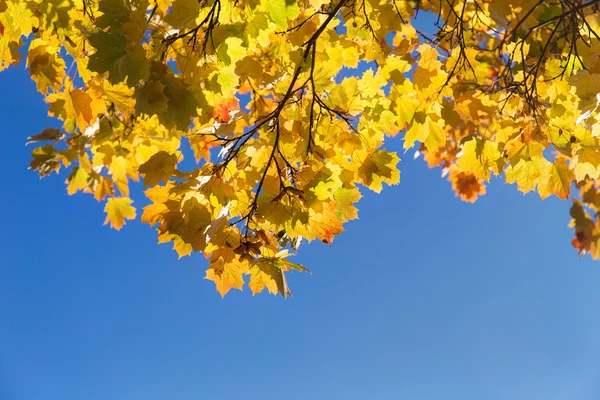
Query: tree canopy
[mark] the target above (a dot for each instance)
(253, 124)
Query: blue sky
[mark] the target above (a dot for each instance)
(424, 297)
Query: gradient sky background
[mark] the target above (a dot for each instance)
(424, 297)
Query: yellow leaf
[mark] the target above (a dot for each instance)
(324, 224)
(323, 190)
(9, 52)
(159, 167)
(269, 273)
(19, 19)
(425, 130)
(45, 67)
(265, 275)
(405, 107)
(378, 168)
(281, 11)
(529, 168)
(78, 181)
(81, 104)
(183, 13)
(120, 95)
(231, 51)
(181, 247)
(117, 210)
(197, 223)
(118, 168)
(370, 84)
(102, 187)
(78, 105)
(345, 199)
(153, 213)
(226, 271)
(559, 181)
(44, 160)
(587, 163)
(586, 83)
(480, 157)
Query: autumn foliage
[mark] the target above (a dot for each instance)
(253, 124)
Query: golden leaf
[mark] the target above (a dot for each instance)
(117, 210)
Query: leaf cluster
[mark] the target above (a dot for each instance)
(254, 124)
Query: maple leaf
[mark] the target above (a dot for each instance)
(48, 134)
(528, 167)
(379, 167)
(151, 99)
(159, 167)
(281, 11)
(222, 113)
(53, 13)
(102, 187)
(81, 107)
(265, 276)
(19, 17)
(45, 67)
(480, 157)
(78, 181)
(323, 223)
(587, 163)
(182, 103)
(345, 199)
(467, 186)
(226, 271)
(117, 210)
(118, 168)
(269, 273)
(559, 180)
(183, 13)
(197, 227)
(119, 96)
(77, 105)
(44, 160)
(122, 60)
(9, 52)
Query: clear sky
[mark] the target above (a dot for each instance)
(424, 297)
